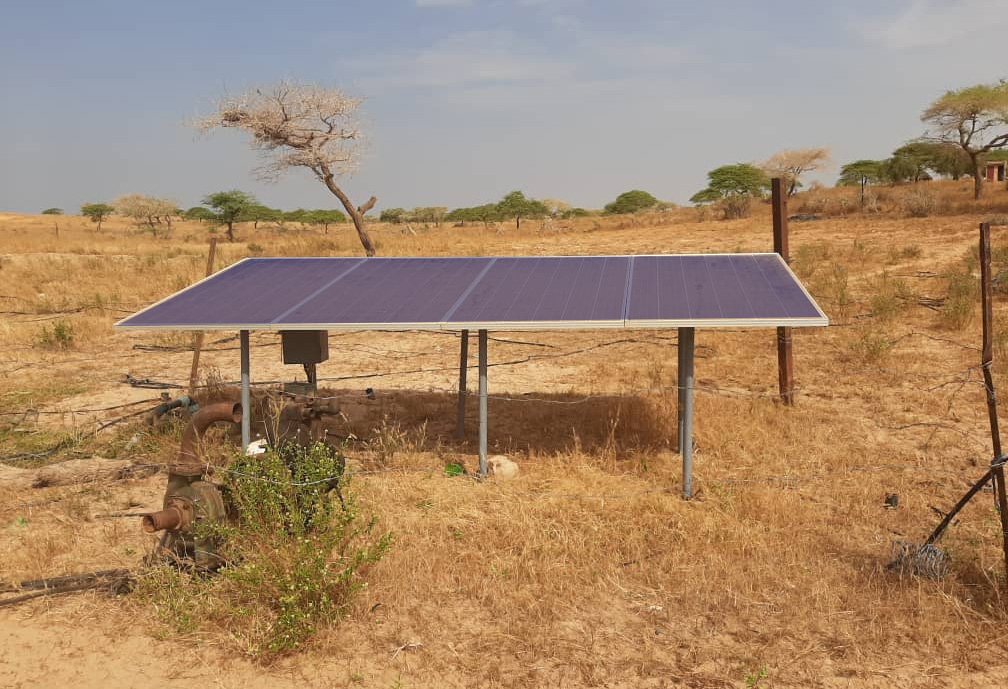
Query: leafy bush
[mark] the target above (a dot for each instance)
(297, 552)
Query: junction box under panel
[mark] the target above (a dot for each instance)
(305, 346)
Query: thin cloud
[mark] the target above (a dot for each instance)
(491, 59)
(465, 60)
(929, 23)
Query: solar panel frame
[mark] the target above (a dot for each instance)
(457, 317)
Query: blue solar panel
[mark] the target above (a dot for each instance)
(493, 293)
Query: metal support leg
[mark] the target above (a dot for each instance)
(680, 391)
(246, 397)
(686, 342)
(483, 402)
(462, 392)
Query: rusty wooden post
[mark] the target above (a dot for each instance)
(198, 340)
(785, 358)
(997, 464)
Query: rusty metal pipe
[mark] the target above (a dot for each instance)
(212, 413)
(170, 518)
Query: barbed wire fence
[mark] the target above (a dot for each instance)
(954, 379)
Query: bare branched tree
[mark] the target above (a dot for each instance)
(790, 165)
(300, 125)
(147, 210)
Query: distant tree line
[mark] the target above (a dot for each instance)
(917, 161)
(228, 208)
(517, 206)
(220, 209)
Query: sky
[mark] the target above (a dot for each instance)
(466, 100)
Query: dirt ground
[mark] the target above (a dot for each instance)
(588, 569)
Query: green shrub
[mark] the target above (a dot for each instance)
(295, 555)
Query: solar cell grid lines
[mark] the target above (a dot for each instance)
(545, 292)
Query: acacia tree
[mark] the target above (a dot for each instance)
(257, 213)
(300, 126)
(631, 202)
(96, 212)
(734, 186)
(516, 205)
(229, 207)
(324, 218)
(869, 171)
(198, 213)
(975, 118)
(790, 165)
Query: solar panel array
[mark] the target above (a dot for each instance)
(502, 293)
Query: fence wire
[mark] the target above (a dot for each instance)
(924, 383)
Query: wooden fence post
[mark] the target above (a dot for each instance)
(986, 364)
(198, 340)
(785, 359)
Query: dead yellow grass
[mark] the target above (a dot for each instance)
(588, 570)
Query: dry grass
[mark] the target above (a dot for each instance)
(588, 570)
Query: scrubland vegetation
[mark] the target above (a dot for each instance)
(588, 569)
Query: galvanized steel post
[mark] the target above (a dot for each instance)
(246, 402)
(680, 390)
(686, 343)
(483, 402)
(462, 392)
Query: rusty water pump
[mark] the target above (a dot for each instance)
(193, 502)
